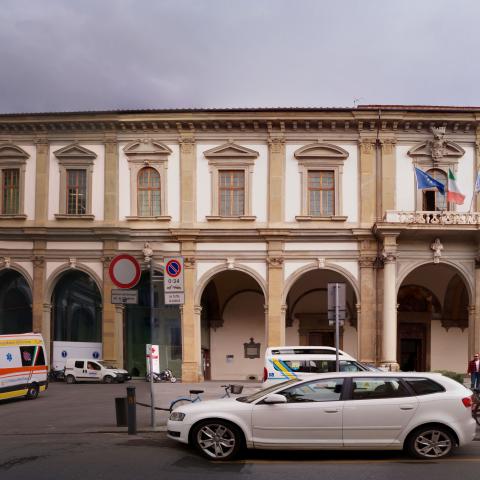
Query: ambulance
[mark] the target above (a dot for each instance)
(23, 366)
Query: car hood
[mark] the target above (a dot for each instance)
(219, 405)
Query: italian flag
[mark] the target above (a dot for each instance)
(453, 194)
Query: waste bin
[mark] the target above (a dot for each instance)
(121, 411)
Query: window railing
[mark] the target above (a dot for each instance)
(432, 218)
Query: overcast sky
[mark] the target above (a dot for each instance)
(64, 55)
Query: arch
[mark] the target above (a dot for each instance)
(460, 269)
(312, 266)
(22, 271)
(209, 274)
(57, 273)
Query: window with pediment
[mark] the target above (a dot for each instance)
(433, 200)
(13, 161)
(231, 170)
(321, 170)
(148, 162)
(76, 170)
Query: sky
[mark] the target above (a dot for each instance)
(80, 55)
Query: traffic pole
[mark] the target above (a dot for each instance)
(337, 330)
(152, 326)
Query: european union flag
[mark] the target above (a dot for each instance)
(424, 180)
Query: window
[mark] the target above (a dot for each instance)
(433, 200)
(10, 191)
(424, 386)
(76, 165)
(321, 171)
(319, 366)
(40, 357)
(27, 354)
(148, 190)
(321, 193)
(231, 169)
(231, 193)
(327, 390)
(76, 192)
(79, 364)
(13, 161)
(370, 388)
(148, 162)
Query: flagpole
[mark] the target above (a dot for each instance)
(475, 191)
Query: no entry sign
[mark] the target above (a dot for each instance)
(124, 271)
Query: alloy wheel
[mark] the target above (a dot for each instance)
(432, 444)
(216, 440)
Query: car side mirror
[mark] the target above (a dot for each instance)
(274, 398)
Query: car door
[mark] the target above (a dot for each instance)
(377, 412)
(94, 371)
(311, 417)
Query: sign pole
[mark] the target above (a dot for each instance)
(152, 325)
(337, 329)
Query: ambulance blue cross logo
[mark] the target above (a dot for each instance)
(9, 357)
(173, 268)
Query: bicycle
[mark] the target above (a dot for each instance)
(195, 396)
(476, 405)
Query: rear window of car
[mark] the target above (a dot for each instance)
(424, 386)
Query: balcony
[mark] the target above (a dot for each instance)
(432, 218)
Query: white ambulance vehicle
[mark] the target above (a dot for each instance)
(23, 365)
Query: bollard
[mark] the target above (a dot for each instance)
(131, 411)
(121, 411)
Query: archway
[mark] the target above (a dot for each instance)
(433, 319)
(167, 329)
(15, 303)
(232, 327)
(306, 317)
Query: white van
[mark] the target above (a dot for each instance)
(89, 370)
(23, 366)
(285, 363)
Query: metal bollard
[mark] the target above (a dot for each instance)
(131, 411)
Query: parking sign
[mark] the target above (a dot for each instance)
(173, 275)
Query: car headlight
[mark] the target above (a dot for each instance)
(177, 416)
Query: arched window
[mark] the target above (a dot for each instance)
(15, 303)
(148, 191)
(433, 200)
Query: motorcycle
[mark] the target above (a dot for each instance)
(163, 376)
(56, 375)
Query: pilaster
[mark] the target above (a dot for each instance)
(474, 316)
(188, 168)
(276, 179)
(476, 205)
(38, 293)
(367, 197)
(42, 180)
(111, 180)
(275, 313)
(388, 175)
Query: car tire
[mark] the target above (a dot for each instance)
(32, 392)
(70, 379)
(217, 440)
(108, 379)
(430, 442)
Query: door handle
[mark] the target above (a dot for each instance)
(331, 411)
(407, 407)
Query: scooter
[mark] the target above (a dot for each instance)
(163, 376)
(56, 375)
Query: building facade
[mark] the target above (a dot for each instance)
(266, 206)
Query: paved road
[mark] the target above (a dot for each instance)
(69, 433)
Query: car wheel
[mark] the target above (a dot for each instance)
(217, 439)
(430, 442)
(70, 379)
(107, 379)
(32, 392)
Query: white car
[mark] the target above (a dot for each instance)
(426, 414)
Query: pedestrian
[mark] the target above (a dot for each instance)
(474, 371)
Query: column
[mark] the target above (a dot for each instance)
(367, 318)
(388, 175)
(111, 180)
(368, 180)
(389, 331)
(188, 168)
(110, 315)
(276, 179)
(191, 339)
(275, 321)
(474, 317)
(41, 181)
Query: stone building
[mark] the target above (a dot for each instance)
(267, 206)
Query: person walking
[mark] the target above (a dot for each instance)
(474, 371)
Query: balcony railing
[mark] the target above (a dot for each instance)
(433, 218)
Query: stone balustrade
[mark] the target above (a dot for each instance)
(432, 218)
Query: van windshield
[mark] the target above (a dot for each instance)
(105, 364)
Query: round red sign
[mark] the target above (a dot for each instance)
(124, 271)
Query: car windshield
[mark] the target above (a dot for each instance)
(106, 364)
(265, 391)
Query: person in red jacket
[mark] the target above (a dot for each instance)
(474, 371)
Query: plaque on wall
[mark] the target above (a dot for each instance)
(252, 349)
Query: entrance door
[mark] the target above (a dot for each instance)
(321, 338)
(412, 347)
